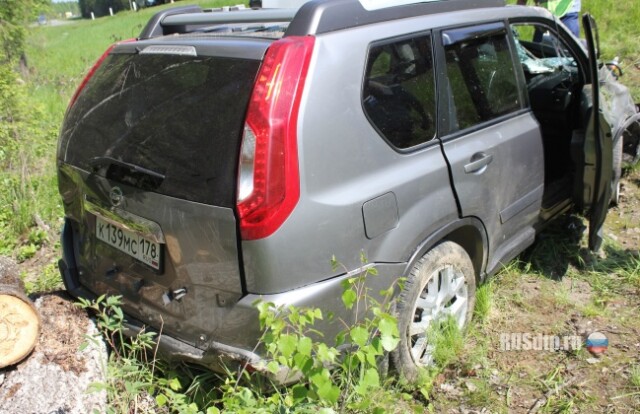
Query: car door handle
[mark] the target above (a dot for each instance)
(478, 162)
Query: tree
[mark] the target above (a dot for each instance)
(101, 7)
(14, 15)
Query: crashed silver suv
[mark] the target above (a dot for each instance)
(225, 156)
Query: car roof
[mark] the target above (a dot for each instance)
(312, 18)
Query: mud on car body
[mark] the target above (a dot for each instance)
(225, 156)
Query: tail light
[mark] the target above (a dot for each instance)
(92, 71)
(268, 174)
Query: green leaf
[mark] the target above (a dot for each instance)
(389, 336)
(371, 378)
(273, 367)
(389, 343)
(287, 344)
(283, 361)
(320, 378)
(359, 335)
(304, 345)
(371, 357)
(326, 354)
(329, 392)
(303, 362)
(349, 298)
(299, 392)
(213, 410)
(174, 384)
(161, 400)
(388, 326)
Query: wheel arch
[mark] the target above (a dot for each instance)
(469, 233)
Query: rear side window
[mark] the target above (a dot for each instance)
(179, 116)
(399, 91)
(482, 82)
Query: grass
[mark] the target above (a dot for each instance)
(60, 64)
(634, 376)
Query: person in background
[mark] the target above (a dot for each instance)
(566, 10)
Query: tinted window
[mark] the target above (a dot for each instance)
(482, 80)
(178, 116)
(399, 91)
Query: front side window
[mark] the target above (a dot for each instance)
(542, 53)
(399, 96)
(482, 82)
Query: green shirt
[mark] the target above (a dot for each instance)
(558, 7)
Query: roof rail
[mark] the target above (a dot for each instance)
(323, 16)
(314, 17)
(224, 17)
(186, 19)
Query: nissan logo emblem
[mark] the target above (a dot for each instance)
(115, 196)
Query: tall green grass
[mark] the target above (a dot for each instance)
(619, 27)
(60, 56)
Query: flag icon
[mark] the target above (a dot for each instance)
(597, 343)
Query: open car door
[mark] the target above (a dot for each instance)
(598, 148)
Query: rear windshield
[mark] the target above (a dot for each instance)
(177, 119)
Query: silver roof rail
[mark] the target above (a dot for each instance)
(313, 17)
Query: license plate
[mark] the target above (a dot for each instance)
(136, 246)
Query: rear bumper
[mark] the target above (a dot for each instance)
(241, 319)
(217, 357)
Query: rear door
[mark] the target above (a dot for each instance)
(148, 167)
(598, 148)
(493, 145)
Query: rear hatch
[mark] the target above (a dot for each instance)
(148, 159)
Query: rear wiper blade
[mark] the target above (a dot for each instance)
(97, 162)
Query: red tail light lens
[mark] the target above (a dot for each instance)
(268, 177)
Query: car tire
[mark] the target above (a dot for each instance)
(617, 172)
(442, 282)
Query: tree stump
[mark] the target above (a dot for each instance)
(19, 319)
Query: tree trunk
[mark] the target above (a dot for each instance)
(19, 319)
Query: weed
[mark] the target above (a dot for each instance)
(479, 393)
(634, 376)
(326, 375)
(26, 252)
(48, 280)
(129, 376)
(594, 308)
(484, 300)
(448, 341)
(562, 297)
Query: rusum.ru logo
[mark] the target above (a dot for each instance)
(527, 341)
